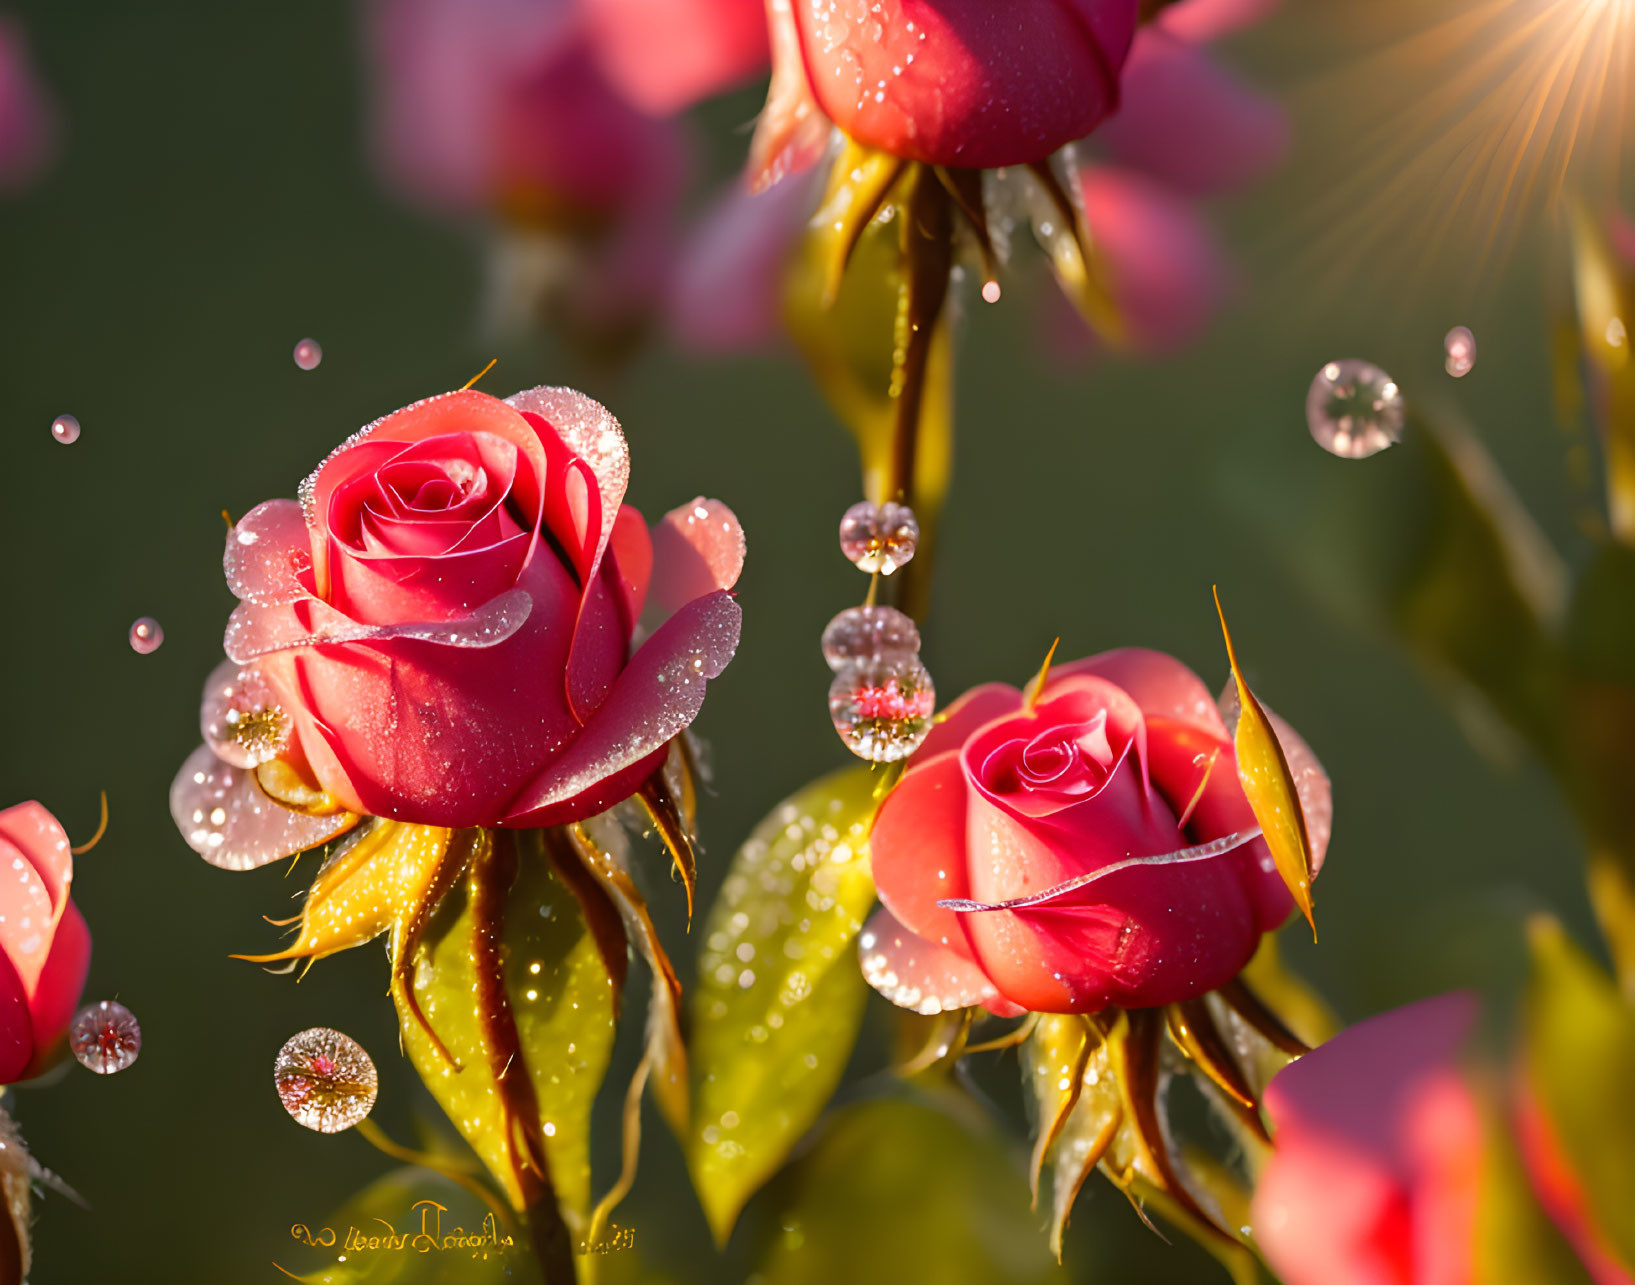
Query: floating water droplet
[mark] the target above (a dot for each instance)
(990, 292)
(241, 717)
(105, 1037)
(879, 537)
(882, 708)
(325, 1080)
(1354, 409)
(308, 353)
(861, 634)
(1459, 349)
(146, 635)
(65, 428)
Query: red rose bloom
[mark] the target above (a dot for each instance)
(443, 627)
(965, 83)
(1123, 756)
(45, 947)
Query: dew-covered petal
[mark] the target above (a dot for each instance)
(919, 852)
(240, 716)
(589, 430)
(228, 819)
(254, 631)
(659, 693)
(697, 549)
(956, 723)
(39, 835)
(916, 974)
(267, 550)
(28, 916)
(57, 991)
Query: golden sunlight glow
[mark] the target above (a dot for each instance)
(1456, 129)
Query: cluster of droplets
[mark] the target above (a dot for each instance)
(146, 636)
(241, 717)
(882, 698)
(1354, 409)
(105, 1037)
(879, 537)
(325, 1080)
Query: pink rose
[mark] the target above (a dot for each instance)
(45, 947)
(443, 626)
(1123, 757)
(1377, 1170)
(964, 83)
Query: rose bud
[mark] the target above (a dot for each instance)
(45, 947)
(441, 632)
(1083, 847)
(962, 83)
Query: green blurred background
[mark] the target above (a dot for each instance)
(214, 203)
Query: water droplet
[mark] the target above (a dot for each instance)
(241, 717)
(65, 428)
(1354, 409)
(1459, 348)
(879, 537)
(308, 353)
(105, 1037)
(861, 634)
(325, 1080)
(146, 635)
(990, 292)
(882, 708)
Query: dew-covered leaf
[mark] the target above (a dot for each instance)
(1579, 1066)
(510, 979)
(897, 1190)
(1270, 787)
(780, 997)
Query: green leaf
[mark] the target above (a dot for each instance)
(520, 948)
(780, 996)
(895, 1191)
(410, 1215)
(1579, 1055)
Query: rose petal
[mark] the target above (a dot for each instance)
(919, 849)
(226, 817)
(697, 549)
(591, 433)
(917, 974)
(631, 554)
(664, 57)
(659, 693)
(1208, 19)
(44, 842)
(267, 549)
(28, 916)
(1188, 121)
(254, 631)
(16, 1025)
(957, 723)
(1161, 685)
(57, 991)
(792, 130)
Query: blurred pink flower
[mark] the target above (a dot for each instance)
(1186, 128)
(550, 116)
(27, 122)
(45, 947)
(1376, 1173)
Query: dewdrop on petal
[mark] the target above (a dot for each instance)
(1354, 409)
(325, 1080)
(882, 708)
